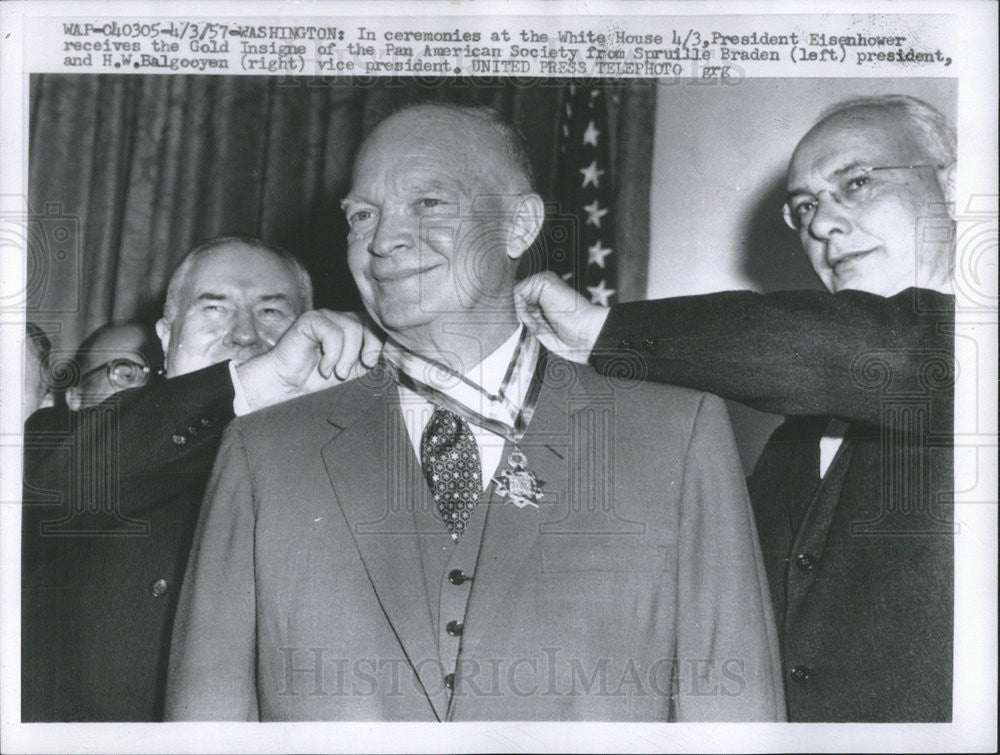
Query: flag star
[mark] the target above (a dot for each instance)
(594, 93)
(565, 129)
(600, 294)
(591, 174)
(596, 254)
(594, 213)
(591, 134)
(569, 110)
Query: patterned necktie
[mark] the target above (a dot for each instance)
(450, 460)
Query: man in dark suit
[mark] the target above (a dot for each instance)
(483, 532)
(853, 494)
(111, 492)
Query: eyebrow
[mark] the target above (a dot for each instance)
(212, 296)
(273, 297)
(416, 186)
(853, 165)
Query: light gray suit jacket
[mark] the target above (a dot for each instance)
(634, 592)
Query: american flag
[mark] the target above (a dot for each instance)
(583, 191)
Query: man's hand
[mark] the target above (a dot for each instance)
(320, 349)
(562, 319)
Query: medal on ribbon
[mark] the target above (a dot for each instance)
(518, 482)
(493, 412)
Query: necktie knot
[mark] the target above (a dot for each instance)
(449, 457)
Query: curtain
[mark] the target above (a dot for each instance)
(136, 170)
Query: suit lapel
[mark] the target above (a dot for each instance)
(511, 533)
(381, 522)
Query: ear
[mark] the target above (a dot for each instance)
(946, 180)
(73, 398)
(163, 333)
(526, 224)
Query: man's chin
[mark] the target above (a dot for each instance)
(402, 319)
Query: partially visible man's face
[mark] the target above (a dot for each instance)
(419, 249)
(237, 302)
(875, 246)
(35, 391)
(126, 341)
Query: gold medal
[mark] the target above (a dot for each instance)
(519, 483)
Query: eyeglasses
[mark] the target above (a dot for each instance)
(853, 188)
(122, 373)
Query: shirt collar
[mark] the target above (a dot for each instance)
(493, 391)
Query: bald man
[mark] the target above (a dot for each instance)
(478, 536)
(853, 494)
(116, 357)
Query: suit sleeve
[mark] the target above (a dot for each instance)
(88, 469)
(794, 352)
(728, 666)
(211, 672)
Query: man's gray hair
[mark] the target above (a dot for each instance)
(937, 132)
(175, 289)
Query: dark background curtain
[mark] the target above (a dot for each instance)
(129, 172)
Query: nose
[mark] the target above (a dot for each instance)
(244, 330)
(393, 233)
(830, 217)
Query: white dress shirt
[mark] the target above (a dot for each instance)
(488, 374)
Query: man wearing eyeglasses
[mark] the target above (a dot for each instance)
(112, 491)
(115, 357)
(852, 495)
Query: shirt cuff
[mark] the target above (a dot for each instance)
(240, 404)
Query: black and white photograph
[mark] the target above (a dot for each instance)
(604, 375)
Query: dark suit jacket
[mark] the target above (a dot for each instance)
(634, 592)
(860, 566)
(111, 497)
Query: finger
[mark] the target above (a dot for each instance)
(339, 334)
(526, 314)
(531, 315)
(352, 334)
(371, 348)
(528, 294)
(529, 290)
(331, 340)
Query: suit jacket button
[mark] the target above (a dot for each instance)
(805, 561)
(454, 628)
(204, 422)
(648, 344)
(799, 673)
(159, 588)
(449, 681)
(625, 343)
(179, 440)
(192, 430)
(457, 577)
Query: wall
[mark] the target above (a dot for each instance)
(719, 160)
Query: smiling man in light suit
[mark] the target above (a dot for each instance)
(480, 530)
